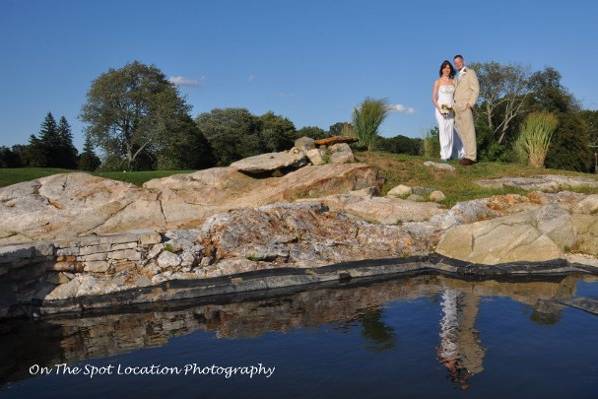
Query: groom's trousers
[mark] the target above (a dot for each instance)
(466, 131)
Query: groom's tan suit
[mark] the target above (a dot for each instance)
(466, 95)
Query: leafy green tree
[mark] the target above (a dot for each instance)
(233, 133)
(185, 147)
(336, 128)
(367, 118)
(88, 159)
(570, 145)
(400, 145)
(277, 132)
(314, 132)
(130, 110)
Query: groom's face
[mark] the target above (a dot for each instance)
(458, 63)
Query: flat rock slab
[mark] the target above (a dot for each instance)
(440, 166)
(384, 210)
(335, 140)
(547, 183)
(270, 162)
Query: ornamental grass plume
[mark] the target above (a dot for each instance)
(535, 136)
(367, 118)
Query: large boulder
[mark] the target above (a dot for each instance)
(341, 153)
(505, 239)
(264, 163)
(305, 143)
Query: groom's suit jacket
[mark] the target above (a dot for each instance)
(467, 91)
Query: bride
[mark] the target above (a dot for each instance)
(442, 97)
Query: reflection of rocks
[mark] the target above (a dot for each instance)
(70, 340)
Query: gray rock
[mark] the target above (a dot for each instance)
(99, 266)
(437, 196)
(400, 191)
(341, 153)
(441, 166)
(546, 183)
(316, 156)
(168, 260)
(305, 143)
(294, 158)
(155, 251)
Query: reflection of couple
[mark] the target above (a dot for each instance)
(460, 350)
(454, 98)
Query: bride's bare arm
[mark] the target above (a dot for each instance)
(435, 94)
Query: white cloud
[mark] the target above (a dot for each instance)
(401, 108)
(179, 80)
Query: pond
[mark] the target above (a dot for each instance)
(426, 336)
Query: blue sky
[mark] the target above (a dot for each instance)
(311, 61)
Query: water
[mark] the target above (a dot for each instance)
(416, 337)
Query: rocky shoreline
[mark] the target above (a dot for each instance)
(75, 242)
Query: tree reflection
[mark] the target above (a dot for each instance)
(379, 336)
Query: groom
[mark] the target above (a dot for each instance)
(466, 95)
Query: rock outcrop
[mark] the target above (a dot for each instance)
(264, 163)
(78, 204)
(76, 236)
(546, 183)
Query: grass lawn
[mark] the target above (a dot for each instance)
(459, 186)
(10, 176)
(396, 168)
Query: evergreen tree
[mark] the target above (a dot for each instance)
(35, 154)
(49, 142)
(66, 153)
(88, 160)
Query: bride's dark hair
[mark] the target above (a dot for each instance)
(445, 63)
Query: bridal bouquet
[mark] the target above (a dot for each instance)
(446, 110)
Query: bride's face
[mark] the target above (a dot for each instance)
(446, 71)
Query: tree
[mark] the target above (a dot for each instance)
(233, 133)
(277, 132)
(65, 152)
(503, 93)
(9, 158)
(367, 118)
(129, 111)
(35, 154)
(313, 132)
(336, 128)
(88, 159)
(399, 145)
(185, 147)
(570, 145)
(48, 143)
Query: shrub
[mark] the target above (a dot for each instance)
(432, 144)
(534, 140)
(367, 119)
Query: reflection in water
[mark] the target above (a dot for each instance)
(460, 349)
(379, 336)
(71, 340)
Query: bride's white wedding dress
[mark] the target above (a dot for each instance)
(450, 143)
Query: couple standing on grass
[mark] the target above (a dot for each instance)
(454, 98)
